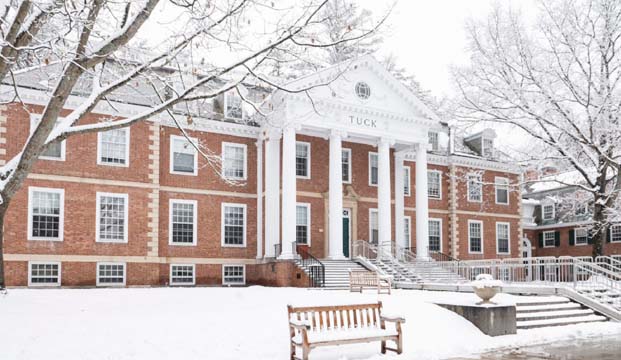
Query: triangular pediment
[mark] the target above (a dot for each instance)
(364, 83)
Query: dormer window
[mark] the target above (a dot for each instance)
(548, 211)
(487, 148)
(233, 105)
(433, 140)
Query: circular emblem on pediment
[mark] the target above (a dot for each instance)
(363, 90)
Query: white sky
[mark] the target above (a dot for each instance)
(428, 36)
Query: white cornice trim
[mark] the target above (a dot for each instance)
(117, 109)
(446, 160)
(557, 225)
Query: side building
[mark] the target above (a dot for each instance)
(365, 161)
(558, 217)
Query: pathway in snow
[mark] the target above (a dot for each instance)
(602, 348)
(233, 323)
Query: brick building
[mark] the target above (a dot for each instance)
(365, 161)
(557, 217)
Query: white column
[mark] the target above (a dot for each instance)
(399, 201)
(259, 145)
(335, 197)
(422, 203)
(383, 195)
(272, 192)
(288, 193)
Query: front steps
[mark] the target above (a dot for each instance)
(397, 271)
(602, 295)
(427, 271)
(553, 311)
(336, 272)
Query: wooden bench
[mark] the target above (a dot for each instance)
(316, 326)
(359, 280)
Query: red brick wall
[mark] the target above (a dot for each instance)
(565, 249)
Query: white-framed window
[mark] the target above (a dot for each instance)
(183, 156)
(233, 108)
(233, 274)
(502, 190)
(42, 273)
(112, 213)
(303, 223)
(433, 140)
(434, 184)
(113, 147)
(582, 236)
(615, 233)
(406, 181)
(46, 213)
(182, 222)
(111, 274)
(373, 226)
(475, 188)
(502, 238)
(346, 163)
(234, 161)
(548, 211)
(373, 169)
(580, 209)
(182, 274)
(54, 151)
(487, 148)
(475, 236)
(302, 160)
(233, 225)
(407, 229)
(435, 235)
(549, 239)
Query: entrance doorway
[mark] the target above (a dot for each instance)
(346, 231)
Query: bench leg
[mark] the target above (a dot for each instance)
(383, 346)
(305, 351)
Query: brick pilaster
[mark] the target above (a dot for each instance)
(153, 216)
(453, 219)
(3, 124)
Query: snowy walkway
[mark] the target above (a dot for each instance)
(237, 323)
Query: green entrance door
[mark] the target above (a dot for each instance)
(346, 218)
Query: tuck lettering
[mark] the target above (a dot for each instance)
(362, 121)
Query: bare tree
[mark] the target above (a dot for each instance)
(98, 48)
(558, 81)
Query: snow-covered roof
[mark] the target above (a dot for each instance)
(556, 181)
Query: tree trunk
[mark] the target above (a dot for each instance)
(2, 212)
(599, 228)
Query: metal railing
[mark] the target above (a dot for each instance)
(315, 269)
(439, 256)
(609, 262)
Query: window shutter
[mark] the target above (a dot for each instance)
(540, 240)
(572, 237)
(557, 238)
(608, 234)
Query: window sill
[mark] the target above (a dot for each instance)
(113, 164)
(184, 173)
(233, 246)
(182, 244)
(45, 239)
(111, 241)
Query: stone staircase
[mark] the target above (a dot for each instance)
(398, 271)
(336, 272)
(428, 271)
(553, 311)
(603, 295)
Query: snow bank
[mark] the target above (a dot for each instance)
(232, 323)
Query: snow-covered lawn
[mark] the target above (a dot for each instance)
(230, 323)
